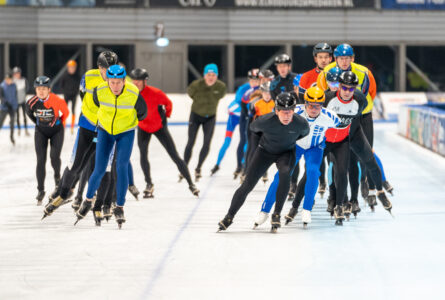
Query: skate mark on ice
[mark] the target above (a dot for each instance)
(164, 260)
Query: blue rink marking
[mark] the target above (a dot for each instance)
(162, 264)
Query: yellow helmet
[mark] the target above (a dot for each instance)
(314, 94)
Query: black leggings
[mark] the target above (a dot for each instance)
(22, 106)
(361, 148)
(367, 124)
(166, 140)
(340, 157)
(55, 136)
(85, 175)
(252, 144)
(243, 121)
(3, 113)
(261, 161)
(208, 126)
(84, 148)
(71, 98)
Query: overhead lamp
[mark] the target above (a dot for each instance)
(161, 40)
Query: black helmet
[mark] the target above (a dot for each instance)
(348, 78)
(42, 81)
(285, 101)
(139, 74)
(107, 59)
(253, 74)
(322, 48)
(267, 74)
(16, 70)
(283, 59)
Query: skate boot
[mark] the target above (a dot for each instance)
(275, 222)
(237, 172)
(372, 201)
(306, 217)
(119, 215)
(291, 214)
(260, 219)
(339, 216)
(52, 206)
(331, 204)
(194, 190)
(84, 209)
(39, 198)
(98, 217)
(322, 189)
(385, 202)
(76, 203)
(214, 170)
(198, 174)
(225, 223)
(364, 189)
(134, 191)
(180, 178)
(264, 178)
(106, 212)
(355, 209)
(347, 209)
(388, 187)
(148, 192)
(292, 190)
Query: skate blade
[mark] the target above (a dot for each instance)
(39, 203)
(255, 226)
(44, 216)
(304, 225)
(274, 229)
(76, 221)
(321, 195)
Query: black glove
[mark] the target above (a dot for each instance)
(161, 110)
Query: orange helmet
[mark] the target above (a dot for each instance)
(71, 63)
(314, 94)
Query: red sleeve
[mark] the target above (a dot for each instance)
(61, 106)
(303, 81)
(163, 99)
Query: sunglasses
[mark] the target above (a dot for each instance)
(350, 89)
(313, 106)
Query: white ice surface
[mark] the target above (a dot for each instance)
(168, 249)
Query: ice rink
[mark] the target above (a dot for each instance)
(169, 248)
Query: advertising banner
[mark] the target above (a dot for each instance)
(413, 4)
(119, 3)
(49, 3)
(424, 125)
(262, 3)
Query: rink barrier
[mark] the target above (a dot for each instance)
(424, 125)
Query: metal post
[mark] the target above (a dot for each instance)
(401, 58)
(40, 59)
(89, 56)
(230, 67)
(6, 65)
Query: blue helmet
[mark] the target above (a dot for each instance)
(343, 50)
(333, 74)
(116, 71)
